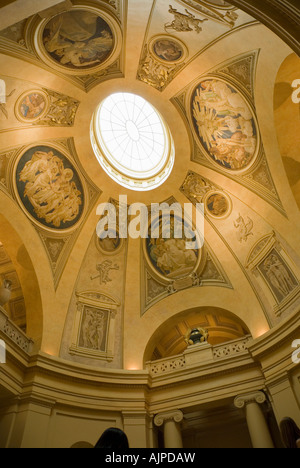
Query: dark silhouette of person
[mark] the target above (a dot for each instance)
(114, 439)
(290, 433)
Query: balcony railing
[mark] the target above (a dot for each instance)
(175, 363)
(14, 333)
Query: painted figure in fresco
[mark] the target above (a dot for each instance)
(225, 124)
(78, 39)
(168, 50)
(217, 205)
(171, 256)
(32, 106)
(50, 189)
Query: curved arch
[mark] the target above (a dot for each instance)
(169, 339)
(248, 312)
(17, 249)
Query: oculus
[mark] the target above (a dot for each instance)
(225, 124)
(132, 142)
(49, 188)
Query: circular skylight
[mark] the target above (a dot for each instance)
(132, 142)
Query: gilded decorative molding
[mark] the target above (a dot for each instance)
(156, 73)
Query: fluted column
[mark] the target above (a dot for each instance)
(172, 431)
(257, 425)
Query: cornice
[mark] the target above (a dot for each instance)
(276, 337)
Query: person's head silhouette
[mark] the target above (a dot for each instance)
(113, 438)
(290, 433)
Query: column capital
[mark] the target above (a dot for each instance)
(243, 400)
(176, 416)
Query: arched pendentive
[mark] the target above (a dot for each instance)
(169, 339)
(137, 337)
(287, 120)
(26, 271)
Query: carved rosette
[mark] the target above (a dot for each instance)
(176, 416)
(243, 400)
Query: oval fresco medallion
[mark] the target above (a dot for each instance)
(32, 106)
(49, 187)
(225, 124)
(168, 49)
(217, 204)
(168, 254)
(78, 39)
(109, 244)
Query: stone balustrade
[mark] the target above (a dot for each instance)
(175, 363)
(14, 333)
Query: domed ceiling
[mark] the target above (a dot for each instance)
(209, 70)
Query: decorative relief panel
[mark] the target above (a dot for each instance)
(94, 324)
(274, 269)
(93, 333)
(220, 110)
